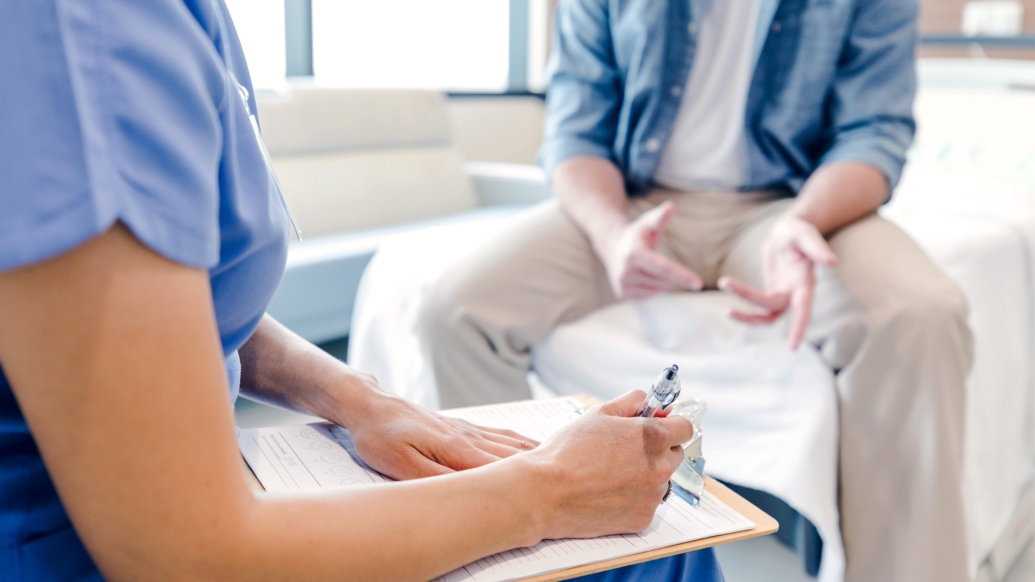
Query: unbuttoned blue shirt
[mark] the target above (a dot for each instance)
(835, 80)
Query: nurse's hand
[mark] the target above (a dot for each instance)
(392, 435)
(404, 441)
(607, 472)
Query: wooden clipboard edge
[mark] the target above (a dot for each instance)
(764, 525)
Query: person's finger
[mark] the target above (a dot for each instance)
(417, 466)
(675, 457)
(678, 430)
(500, 435)
(496, 449)
(658, 265)
(653, 222)
(636, 293)
(755, 318)
(504, 436)
(639, 278)
(801, 311)
(626, 405)
(815, 248)
(770, 301)
(460, 455)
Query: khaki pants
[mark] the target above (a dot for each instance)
(890, 324)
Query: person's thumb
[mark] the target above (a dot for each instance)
(626, 405)
(653, 222)
(815, 247)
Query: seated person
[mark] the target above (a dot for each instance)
(744, 145)
(141, 238)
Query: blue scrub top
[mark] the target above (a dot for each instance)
(139, 112)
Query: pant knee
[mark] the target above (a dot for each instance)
(437, 314)
(939, 314)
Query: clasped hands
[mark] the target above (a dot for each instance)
(636, 270)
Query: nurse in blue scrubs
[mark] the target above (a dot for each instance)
(141, 237)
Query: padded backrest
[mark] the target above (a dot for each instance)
(353, 159)
(497, 128)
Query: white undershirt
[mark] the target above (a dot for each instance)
(708, 147)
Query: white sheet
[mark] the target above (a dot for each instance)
(772, 413)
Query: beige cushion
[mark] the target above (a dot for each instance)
(498, 129)
(352, 159)
(355, 190)
(313, 119)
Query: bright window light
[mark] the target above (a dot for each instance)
(260, 24)
(441, 44)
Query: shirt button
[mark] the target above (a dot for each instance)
(776, 27)
(692, 28)
(653, 145)
(676, 90)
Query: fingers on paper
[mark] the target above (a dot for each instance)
(461, 454)
(508, 437)
(497, 448)
(418, 466)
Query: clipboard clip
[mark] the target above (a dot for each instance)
(689, 477)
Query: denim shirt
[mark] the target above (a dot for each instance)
(835, 81)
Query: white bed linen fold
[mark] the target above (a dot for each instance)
(772, 413)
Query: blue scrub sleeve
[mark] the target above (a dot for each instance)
(111, 112)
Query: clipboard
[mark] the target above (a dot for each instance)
(764, 525)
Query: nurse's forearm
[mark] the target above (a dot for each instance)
(280, 368)
(411, 530)
(112, 354)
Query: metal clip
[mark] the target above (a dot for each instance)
(689, 477)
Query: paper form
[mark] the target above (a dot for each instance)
(321, 456)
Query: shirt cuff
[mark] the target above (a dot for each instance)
(882, 152)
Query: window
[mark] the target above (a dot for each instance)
(460, 45)
(260, 24)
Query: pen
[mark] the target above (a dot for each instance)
(686, 482)
(663, 392)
